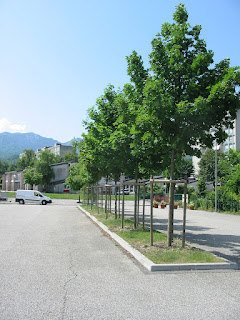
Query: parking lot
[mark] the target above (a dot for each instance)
(56, 264)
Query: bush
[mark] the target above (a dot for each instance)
(158, 191)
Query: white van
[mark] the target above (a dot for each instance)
(31, 196)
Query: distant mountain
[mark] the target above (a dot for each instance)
(12, 144)
(69, 143)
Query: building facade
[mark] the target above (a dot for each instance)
(14, 180)
(57, 149)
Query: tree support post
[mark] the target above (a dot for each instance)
(122, 209)
(97, 199)
(171, 202)
(91, 198)
(106, 202)
(135, 206)
(184, 214)
(151, 212)
(144, 193)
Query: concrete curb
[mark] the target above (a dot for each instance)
(149, 265)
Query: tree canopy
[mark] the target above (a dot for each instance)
(26, 160)
(46, 158)
(182, 103)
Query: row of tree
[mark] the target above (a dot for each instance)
(165, 113)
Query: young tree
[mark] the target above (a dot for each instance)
(184, 168)
(71, 156)
(26, 160)
(229, 171)
(185, 95)
(207, 165)
(79, 176)
(3, 167)
(32, 176)
(202, 186)
(11, 167)
(101, 158)
(43, 166)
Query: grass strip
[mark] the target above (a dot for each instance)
(158, 253)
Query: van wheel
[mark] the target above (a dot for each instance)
(44, 202)
(21, 201)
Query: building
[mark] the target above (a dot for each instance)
(14, 180)
(57, 149)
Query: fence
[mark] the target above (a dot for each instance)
(224, 203)
(102, 198)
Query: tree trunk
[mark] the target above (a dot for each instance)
(171, 202)
(115, 198)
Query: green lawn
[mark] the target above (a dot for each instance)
(62, 195)
(11, 194)
(159, 252)
(71, 196)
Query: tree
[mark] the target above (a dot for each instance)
(71, 156)
(184, 168)
(185, 96)
(97, 149)
(11, 167)
(229, 171)
(32, 176)
(43, 166)
(79, 176)
(202, 186)
(3, 167)
(27, 159)
(207, 165)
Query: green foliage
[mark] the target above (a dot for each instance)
(32, 176)
(207, 165)
(46, 158)
(79, 176)
(158, 192)
(26, 160)
(11, 167)
(180, 189)
(165, 113)
(229, 171)
(3, 167)
(71, 156)
(202, 187)
(184, 168)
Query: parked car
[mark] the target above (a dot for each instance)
(31, 196)
(126, 191)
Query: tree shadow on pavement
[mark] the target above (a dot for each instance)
(225, 246)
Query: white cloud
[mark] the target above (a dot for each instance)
(7, 126)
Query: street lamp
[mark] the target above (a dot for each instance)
(216, 175)
(213, 131)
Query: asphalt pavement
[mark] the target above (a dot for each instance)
(56, 264)
(218, 233)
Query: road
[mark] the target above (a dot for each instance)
(214, 232)
(56, 264)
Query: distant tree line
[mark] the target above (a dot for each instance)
(228, 180)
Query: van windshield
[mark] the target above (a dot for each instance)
(38, 194)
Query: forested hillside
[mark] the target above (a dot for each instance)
(12, 144)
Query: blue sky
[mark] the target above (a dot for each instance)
(57, 56)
